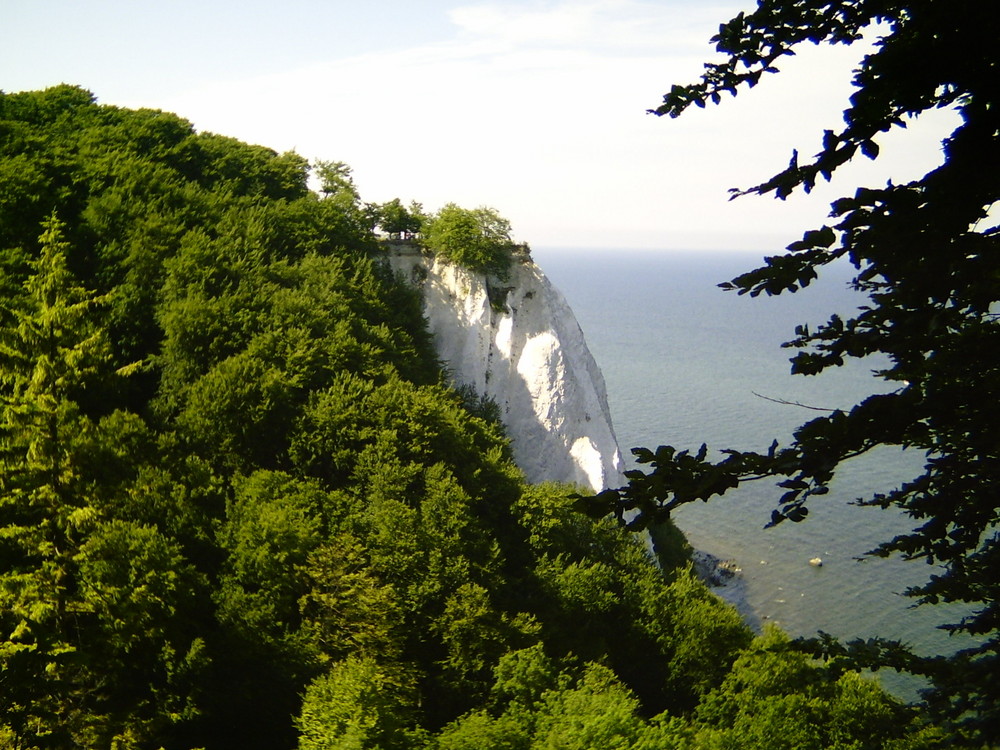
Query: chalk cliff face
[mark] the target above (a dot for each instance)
(525, 350)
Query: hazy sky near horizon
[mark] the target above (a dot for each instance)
(535, 108)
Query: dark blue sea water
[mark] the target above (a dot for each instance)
(683, 361)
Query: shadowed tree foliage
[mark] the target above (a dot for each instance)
(927, 254)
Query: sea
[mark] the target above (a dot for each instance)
(687, 363)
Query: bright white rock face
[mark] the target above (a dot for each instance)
(530, 357)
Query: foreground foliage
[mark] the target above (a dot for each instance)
(239, 507)
(927, 253)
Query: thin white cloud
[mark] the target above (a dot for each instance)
(539, 110)
(629, 26)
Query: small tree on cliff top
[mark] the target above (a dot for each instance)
(928, 255)
(477, 239)
(393, 217)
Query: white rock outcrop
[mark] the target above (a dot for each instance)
(526, 352)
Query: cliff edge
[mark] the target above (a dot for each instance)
(517, 342)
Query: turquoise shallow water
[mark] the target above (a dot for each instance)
(687, 363)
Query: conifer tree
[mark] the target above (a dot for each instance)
(85, 599)
(48, 354)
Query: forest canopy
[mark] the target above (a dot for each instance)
(240, 506)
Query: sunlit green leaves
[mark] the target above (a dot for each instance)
(478, 239)
(358, 703)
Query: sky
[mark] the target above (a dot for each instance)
(537, 108)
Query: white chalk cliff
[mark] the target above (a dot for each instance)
(526, 352)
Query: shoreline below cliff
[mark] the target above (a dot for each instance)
(724, 578)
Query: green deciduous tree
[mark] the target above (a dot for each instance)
(597, 712)
(135, 619)
(346, 608)
(544, 704)
(272, 527)
(676, 641)
(358, 704)
(394, 218)
(478, 239)
(927, 254)
(775, 696)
